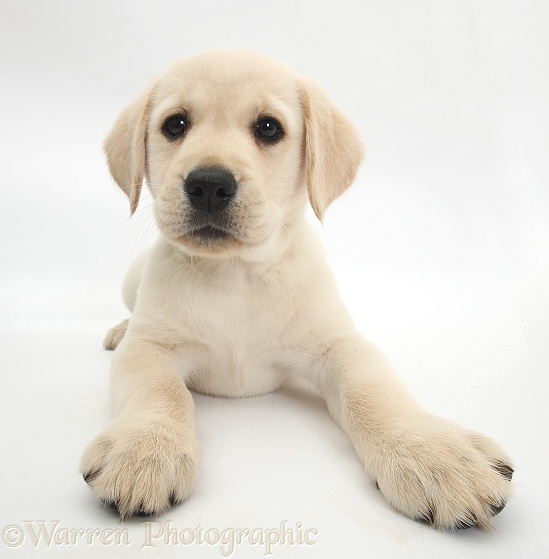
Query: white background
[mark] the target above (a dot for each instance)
(441, 250)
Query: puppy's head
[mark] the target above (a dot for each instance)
(230, 144)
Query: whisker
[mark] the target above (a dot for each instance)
(145, 227)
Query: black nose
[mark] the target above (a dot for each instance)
(211, 189)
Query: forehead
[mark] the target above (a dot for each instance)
(227, 83)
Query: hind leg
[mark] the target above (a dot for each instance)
(129, 295)
(115, 335)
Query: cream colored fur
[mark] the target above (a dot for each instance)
(239, 316)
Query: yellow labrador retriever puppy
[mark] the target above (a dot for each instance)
(235, 297)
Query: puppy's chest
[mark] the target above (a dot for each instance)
(243, 331)
(240, 321)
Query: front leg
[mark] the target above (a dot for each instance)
(147, 459)
(428, 468)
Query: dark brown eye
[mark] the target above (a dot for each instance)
(268, 130)
(175, 126)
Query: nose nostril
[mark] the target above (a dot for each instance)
(210, 189)
(196, 191)
(222, 193)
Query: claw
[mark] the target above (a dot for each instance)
(504, 470)
(496, 509)
(468, 522)
(173, 500)
(427, 517)
(88, 476)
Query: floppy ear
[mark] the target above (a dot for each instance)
(125, 147)
(333, 150)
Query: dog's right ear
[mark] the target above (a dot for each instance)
(125, 147)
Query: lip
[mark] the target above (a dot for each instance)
(210, 233)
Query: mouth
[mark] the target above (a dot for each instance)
(210, 233)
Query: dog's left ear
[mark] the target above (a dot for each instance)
(333, 150)
(125, 147)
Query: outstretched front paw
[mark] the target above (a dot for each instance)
(141, 467)
(440, 473)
